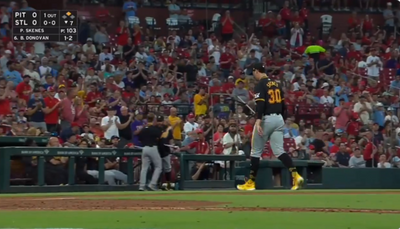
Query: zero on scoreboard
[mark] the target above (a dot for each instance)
(45, 25)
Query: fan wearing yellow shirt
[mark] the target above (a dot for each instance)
(244, 80)
(200, 102)
(176, 124)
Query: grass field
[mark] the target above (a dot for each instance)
(260, 209)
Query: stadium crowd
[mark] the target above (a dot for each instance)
(96, 93)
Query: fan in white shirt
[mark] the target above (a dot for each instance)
(35, 77)
(214, 50)
(363, 108)
(89, 46)
(326, 99)
(232, 141)
(298, 74)
(44, 69)
(110, 124)
(140, 56)
(382, 162)
(103, 67)
(391, 117)
(92, 78)
(190, 125)
(374, 64)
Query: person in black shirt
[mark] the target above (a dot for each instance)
(164, 150)
(191, 71)
(80, 166)
(342, 157)
(270, 113)
(129, 50)
(141, 75)
(149, 137)
(378, 136)
(180, 68)
(125, 132)
(207, 128)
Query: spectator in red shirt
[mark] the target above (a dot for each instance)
(304, 14)
(367, 24)
(370, 153)
(228, 86)
(336, 144)
(202, 147)
(286, 16)
(123, 35)
(93, 95)
(5, 95)
(52, 116)
(166, 58)
(297, 19)
(225, 62)
(137, 35)
(227, 27)
(353, 21)
(218, 148)
(102, 14)
(267, 23)
(24, 90)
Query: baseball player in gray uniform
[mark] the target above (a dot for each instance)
(270, 114)
(165, 150)
(149, 136)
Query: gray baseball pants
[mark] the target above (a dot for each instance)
(272, 126)
(150, 155)
(166, 164)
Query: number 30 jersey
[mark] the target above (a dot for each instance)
(270, 93)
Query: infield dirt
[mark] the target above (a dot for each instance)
(90, 203)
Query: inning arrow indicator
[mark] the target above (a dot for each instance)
(66, 22)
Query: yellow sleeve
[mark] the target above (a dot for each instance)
(197, 99)
(322, 49)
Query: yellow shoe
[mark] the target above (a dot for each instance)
(250, 185)
(298, 182)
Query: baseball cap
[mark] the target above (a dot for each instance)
(191, 115)
(325, 85)
(27, 76)
(7, 52)
(51, 89)
(129, 145)
(111, 108)
(74, 124)
(231, 77)
(36, 89)
(259, 67)
(114, 137)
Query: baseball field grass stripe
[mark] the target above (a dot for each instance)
(310, 209)
(366, 201)
(230, 192)
(198, 220)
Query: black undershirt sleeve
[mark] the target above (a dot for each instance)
(260, 109)
(284, 110)
(260, 97)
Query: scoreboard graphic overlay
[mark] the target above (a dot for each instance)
(45, 25)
